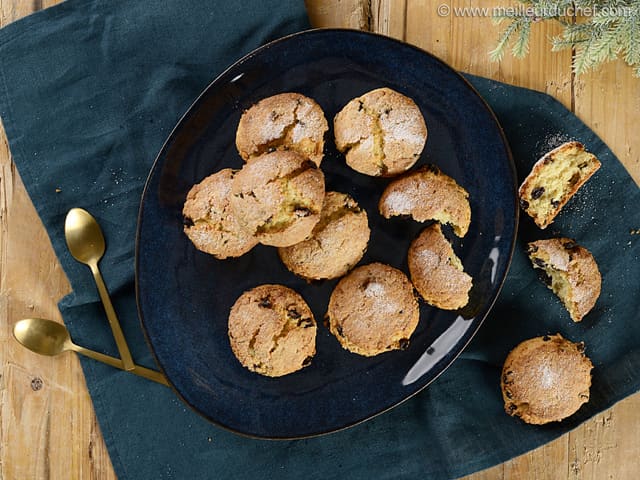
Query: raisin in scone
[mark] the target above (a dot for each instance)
(570, 271)
(337, 242)
(437, 272)
(428, 194)
(277, 197)
(209, 221)
(288, 121)
(554, 179)
(381, 133)
(272, 330)
(546, 379)
(373, 310)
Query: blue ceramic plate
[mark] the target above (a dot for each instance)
(184, 296)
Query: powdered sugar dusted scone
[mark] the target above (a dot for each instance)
(373, 310)
(570, 271)
(209, 222)
(278, 197)
(554, 179)
(546, 379)
(428, 194)
(337, 242)
(272, 330)
(437, 272)
(288, 121)
(381, 133)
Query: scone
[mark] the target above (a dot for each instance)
(546, 379)
(288, 121)
(428, 194)
(209, 222)
(570, 271)
(436, 271)
(337, 242)
(278, 197)
(272, 330)
(554, 179)
(373, 310)
(381, 133)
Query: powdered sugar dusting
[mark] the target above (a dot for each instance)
(550, 142)
(374, 289)
(398, 201)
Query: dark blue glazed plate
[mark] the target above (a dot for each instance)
(184, 296)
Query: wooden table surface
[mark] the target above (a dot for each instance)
(47, 425)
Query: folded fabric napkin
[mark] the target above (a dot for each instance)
(90, 89)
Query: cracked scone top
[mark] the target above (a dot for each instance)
(209, 222)
(272, 330)
(373, 310)
(337, 242)
(288, 121)
(381, 133)
(277, 197)
(545, 379)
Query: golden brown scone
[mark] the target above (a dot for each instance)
(570, 271)
(272, 330)
(428, 194)
(209, 222)
(545, 379)
(288, 121)
(382, 133)
(554, 179)
(373, 310)
(337, 242)
(278, 197)
(436, 271)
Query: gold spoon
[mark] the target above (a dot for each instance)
(47, 337)
(86, 244)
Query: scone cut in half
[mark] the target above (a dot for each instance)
(277, 197)
(287, 121)
(373, 310)
(272, 330)
(554, 179)
(209, 221)
(570, 271)
(546, 379)
(381, 133)
(428, 194)
(337, 242)
(437, 272)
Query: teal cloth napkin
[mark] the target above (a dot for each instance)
(90, 89)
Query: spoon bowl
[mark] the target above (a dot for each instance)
(84, 236)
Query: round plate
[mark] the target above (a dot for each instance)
(184, 296)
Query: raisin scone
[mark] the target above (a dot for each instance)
(570, 271)
(545, 379)
(373, 310)
(272, 330)
(554, 179)
(278, 197)
(381, 133)
(209, 221)
(428, 194)
(337, 242)
(287, 121)
(437, 272)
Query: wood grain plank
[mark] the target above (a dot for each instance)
(339, 14)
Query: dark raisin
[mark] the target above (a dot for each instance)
(187, 222)
(387, 111)
(508, 394)
(271, 149)
(539, 262)
(570, 245)
(532, 248)
(580, 347)
(360, 106)
(302, 211)
(555, 203)
(307, 361)
(384, 170)
(273, 115)
(575, 178)
(582, 165)
(505, 380)
(403, 343)
(537, 192)
(339, 330)
(544, 277)
(252, 194)
(365, 284)
(265, 302)
(546, 338)
(512, 408)
(293, 313)
(305, 323)
(524, 204)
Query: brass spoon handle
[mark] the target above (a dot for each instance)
(121, 343)
(117, 363)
